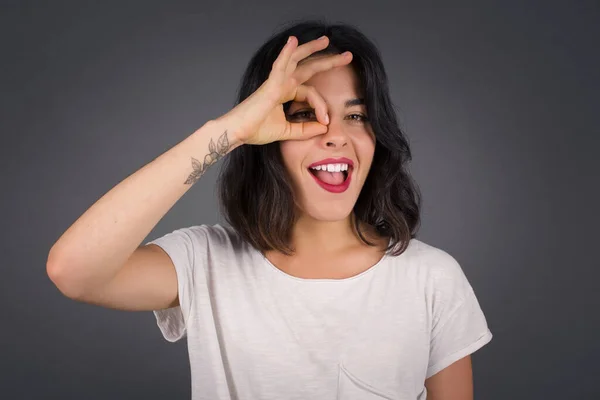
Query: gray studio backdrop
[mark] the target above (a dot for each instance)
(499, 100)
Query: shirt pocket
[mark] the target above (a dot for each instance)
(351, 387)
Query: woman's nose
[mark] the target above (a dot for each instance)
(335, 135)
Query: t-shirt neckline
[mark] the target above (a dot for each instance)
(368, 271)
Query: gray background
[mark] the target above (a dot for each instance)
(499, 100)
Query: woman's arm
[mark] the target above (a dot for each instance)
(454, 382)
(100, 242)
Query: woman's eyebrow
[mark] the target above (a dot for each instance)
(354, 102)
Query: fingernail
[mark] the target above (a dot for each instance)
(327, 118)
(323, 37)
(289, 39)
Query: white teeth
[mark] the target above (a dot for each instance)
(331, 167)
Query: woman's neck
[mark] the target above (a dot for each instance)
(311, 236)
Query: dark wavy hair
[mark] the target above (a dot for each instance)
(254, 188)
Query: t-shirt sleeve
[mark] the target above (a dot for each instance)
(185, 250)
(458, 326)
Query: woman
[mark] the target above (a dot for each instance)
(319, 288)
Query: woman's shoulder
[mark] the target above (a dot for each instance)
(217, 231)
(215, 236)
(428, 260)
(421, 251)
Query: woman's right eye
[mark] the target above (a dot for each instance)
(298, 114)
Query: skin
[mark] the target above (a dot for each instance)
(455, 382)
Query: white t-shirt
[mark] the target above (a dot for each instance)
(256, 332)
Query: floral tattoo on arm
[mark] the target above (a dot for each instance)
(215, 153)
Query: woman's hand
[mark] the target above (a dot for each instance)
(260, 118)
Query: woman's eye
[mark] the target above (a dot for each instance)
(354, 117)
(361, 118)
(299, 114)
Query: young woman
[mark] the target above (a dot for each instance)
(317, 288)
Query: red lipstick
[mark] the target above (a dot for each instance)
(342, 160)
(342, 187)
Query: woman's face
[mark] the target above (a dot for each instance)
(349, 141)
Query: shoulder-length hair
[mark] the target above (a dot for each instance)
(254, 190)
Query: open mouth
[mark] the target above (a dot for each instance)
(333, 174)
(332, 181)
(331, 178)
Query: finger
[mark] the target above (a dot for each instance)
(304, 130)
(282, 60)
(311, 67)
(305, 50)
(310, 95)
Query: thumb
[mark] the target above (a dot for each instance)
(305, 130)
